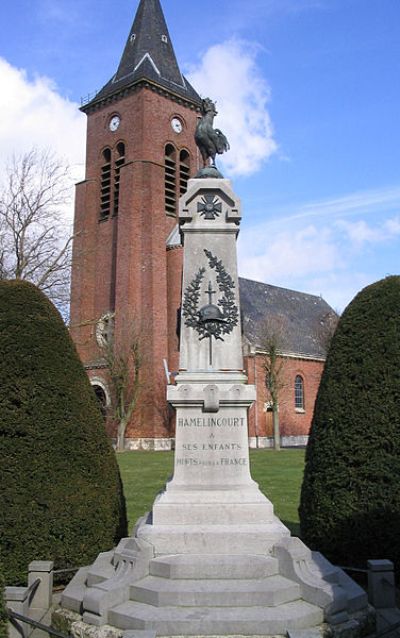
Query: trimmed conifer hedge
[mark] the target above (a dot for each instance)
(3, 614)
(61, 497)
(350, 498)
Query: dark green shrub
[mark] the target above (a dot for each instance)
(60, 496)
(3, 614)
(350, 498)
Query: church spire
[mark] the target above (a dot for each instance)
(149, 55)
(149, 41)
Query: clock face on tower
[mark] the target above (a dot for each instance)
(177, 125)
(114, 123)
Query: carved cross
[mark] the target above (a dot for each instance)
(210, 292)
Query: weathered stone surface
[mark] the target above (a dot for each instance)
(212, 498)
(69, 622)
(312, 632)
(213, 539)
(270, 591)
(189, 621)
(139, 633)
(204, 235)
(62, 619)
(200, 566)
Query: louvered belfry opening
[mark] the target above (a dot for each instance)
(170, 180)
(184, 171)
(105, 187)
(113, 161)
(118, 163)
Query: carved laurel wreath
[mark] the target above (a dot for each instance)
(226, 303)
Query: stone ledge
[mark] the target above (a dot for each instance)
(267, 442)
(72, 624)
(156, 445)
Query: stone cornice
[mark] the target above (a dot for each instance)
(95, 105)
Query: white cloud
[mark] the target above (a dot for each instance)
(360, 203)
(360, 232)
(33, 113)
(315, 259)
(392, 226)
(228, 73)
(318, 249)
(287, 256)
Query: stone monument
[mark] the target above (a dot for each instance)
(212, 559)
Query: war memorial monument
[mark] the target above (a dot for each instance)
(212, 559)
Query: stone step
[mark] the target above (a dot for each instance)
(214, 566)
(162, 592)
(212, 513)
(232, 494)
(214, 621)
(213, 539)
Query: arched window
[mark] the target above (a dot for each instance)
(101, 398)
(119, 161)
(170, 180)
(184, 171)
(299, 393)
(105, 185)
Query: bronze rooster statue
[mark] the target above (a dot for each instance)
(209, 140)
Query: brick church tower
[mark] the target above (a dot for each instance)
(127, 261)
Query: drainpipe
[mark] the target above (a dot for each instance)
(256, 405)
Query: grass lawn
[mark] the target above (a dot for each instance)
(279, 475)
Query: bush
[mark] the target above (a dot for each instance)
(3, 614)
(350, 498)
(61, 497)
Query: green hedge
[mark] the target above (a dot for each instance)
(3, 615)
(350, 499)
(61, 497)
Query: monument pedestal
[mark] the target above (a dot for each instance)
(212, 559)
(212, 505)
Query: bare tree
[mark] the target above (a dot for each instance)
(272, 339)
(326, 329)
(35, 242)
(124, 373)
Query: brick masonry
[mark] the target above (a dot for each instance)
(121, 265)
(293, 422)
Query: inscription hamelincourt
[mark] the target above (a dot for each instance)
(212, 422)
(211, 453)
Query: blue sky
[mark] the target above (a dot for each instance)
(308, 94)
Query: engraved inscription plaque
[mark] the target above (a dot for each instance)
(211, 448)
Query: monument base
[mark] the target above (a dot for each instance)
(243, 590)
(212, 559)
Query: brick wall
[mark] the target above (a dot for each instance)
(293, 422)
(121, 263)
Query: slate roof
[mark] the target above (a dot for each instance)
(148, 56)
(306, 317)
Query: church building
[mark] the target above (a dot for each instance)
(127, 254)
